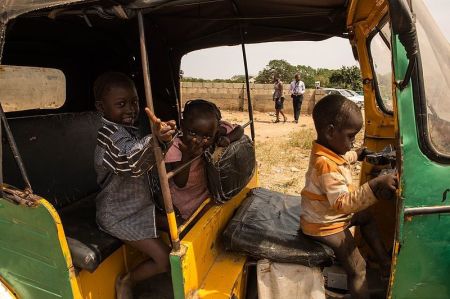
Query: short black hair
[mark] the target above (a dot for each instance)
(110, 79)
(333, 109)
(199, 107)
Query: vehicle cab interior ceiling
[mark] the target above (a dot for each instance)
(88, 38)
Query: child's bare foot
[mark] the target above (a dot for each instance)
(123, 287)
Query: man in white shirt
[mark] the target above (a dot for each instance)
(297, 89)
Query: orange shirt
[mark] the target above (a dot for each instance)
(329, 198)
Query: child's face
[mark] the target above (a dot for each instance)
(120, 105)
(200, 130)
(340, 140)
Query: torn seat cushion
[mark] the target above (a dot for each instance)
(88, 245)
(267, 226)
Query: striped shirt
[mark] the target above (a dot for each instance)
(329, 198)
(125, 207)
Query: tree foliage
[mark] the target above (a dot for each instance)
(345, 77)
(280, 68)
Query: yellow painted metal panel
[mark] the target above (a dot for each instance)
(101, 283)
(225, 278)
(380, 128)
(201, 244)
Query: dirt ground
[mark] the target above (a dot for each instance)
(282, 149)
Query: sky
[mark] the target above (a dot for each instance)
(225, 62)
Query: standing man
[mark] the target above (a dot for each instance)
(297, 89)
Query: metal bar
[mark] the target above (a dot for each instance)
(247, 124)
(173, 173)
(193, 216)
(15, 151)
(175, 91)
(247, 83)
(256, 18)
(426, 210)
(295, 30)
(1, 161)
(157, 149)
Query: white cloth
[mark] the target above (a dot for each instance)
(280, 280)
(297, 87)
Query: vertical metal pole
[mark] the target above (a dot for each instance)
(1, 161)
(158, 153)
(15, 151)
(247, 83)
(175, 91)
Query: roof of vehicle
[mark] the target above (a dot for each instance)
(196, 24)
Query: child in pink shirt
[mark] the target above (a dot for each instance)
(202, 127)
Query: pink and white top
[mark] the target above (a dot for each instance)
(188, 198)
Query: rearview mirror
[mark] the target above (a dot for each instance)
(25, 88)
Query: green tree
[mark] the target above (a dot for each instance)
(282, 68)
(307, 75)
(347, 77)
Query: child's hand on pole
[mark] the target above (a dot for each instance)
(164, 131)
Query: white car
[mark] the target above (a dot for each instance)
(349, 94)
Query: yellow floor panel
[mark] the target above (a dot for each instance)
(225, 278)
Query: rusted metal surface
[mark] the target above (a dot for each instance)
(20, 197)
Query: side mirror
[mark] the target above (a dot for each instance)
(25, 88)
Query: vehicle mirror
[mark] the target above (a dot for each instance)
(25, 88)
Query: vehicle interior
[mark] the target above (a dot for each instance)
(88, 38)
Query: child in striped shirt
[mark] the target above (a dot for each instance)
(331, 204)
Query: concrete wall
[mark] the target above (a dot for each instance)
(233, 96)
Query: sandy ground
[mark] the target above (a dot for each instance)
(282, 149)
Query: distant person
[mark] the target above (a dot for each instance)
(297, 89)
(331, 204)
(278, 98)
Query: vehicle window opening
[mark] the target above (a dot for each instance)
(378, 45)
(432, 85)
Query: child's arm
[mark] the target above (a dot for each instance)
(336, 188)
(187, 154)
(125, 155)
(347, 201)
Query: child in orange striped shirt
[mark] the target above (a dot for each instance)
(331, 204)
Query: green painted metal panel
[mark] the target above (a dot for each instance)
(424, 255)
(31, 259)
(177, 277)
(424, 260)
